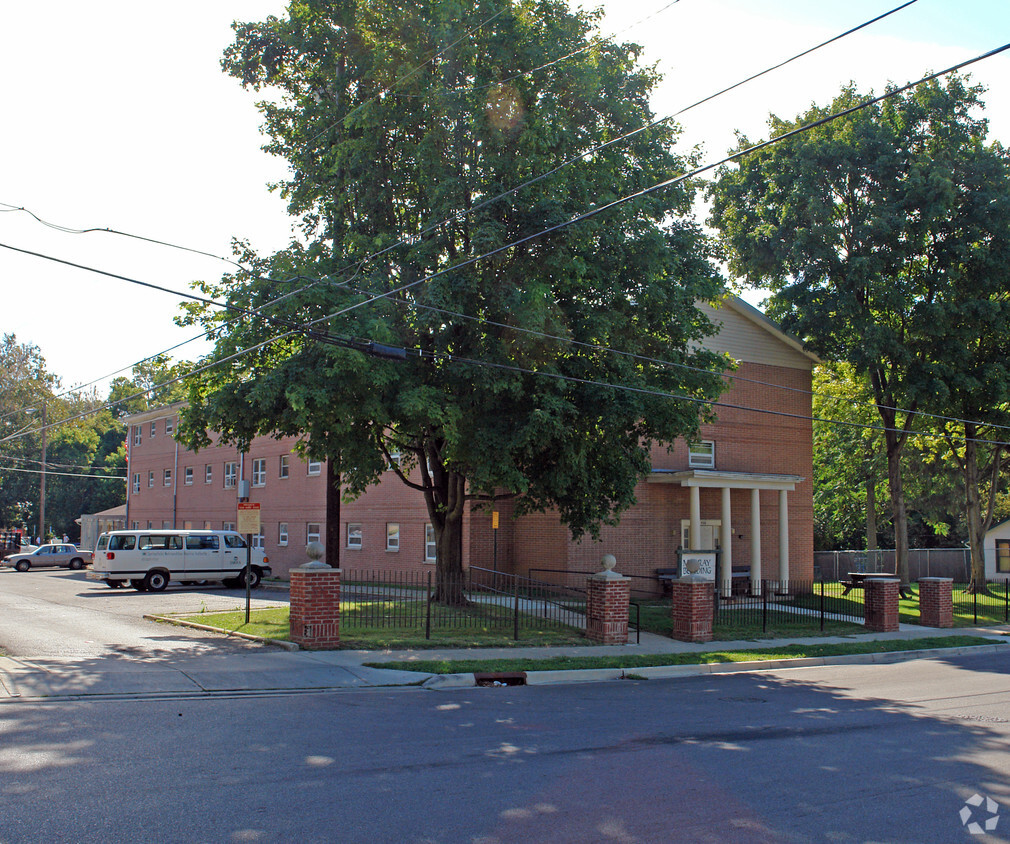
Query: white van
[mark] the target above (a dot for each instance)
(148, 560)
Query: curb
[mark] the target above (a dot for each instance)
(664, 672)
(178, 622)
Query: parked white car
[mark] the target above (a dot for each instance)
(148, 560)
(53, 554)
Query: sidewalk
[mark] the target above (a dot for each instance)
(276, 671)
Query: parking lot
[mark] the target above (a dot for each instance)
(56, 612)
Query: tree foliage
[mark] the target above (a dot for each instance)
(400, 124)
(870, 231)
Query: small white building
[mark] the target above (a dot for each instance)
(997, 551)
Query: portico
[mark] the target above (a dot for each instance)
(697, 479)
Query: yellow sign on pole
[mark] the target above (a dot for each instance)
(494, 519)
(248, 518)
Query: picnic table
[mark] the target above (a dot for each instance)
(857, 580)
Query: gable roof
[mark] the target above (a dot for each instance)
(746, 334)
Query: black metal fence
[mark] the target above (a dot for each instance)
(777, 604)
(990, 605)
(480, 599)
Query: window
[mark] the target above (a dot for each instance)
(208, 474)
(233, 540)
(150, 524)
(168, 477)
(429, 543)
(201, 543)
(257, 540)
(188, 477)
(136, 482)
(701, 455)
(259, 472)
(229, 526)
(353, 535)
(150, 480)
(282, 533)
(1003, 556)
(230, 474)
(206, 525)
(315, 467)
(312, 532)
(167, 525)
(394, 460)
(392, 536)
(137, 435)
(135, 525)
(285, 467)
(153, 429)
(122, 543)
(187, 525)
(168, 427)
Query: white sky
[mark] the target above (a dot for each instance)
(117, 115)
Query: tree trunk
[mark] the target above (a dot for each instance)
(445, 499)
(333, 534)
(896, 489)
(871, 513)
(973, 504)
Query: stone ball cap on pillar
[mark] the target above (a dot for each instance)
(608, 562)
(314, 551)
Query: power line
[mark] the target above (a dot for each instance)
(484, 203)
(64, 474)
(578, 218)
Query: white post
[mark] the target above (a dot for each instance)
(695, 533)
(755, 541)
(726, 547)
(784, 539)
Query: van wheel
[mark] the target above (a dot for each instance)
(77, 564)
(139, 585)
(22, 565)
(254, 578)
(156, 581)
(115, 584)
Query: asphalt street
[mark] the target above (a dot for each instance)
(856, 753)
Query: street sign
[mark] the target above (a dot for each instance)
(494, 519)
(249, 518)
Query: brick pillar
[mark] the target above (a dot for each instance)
(936, 602)
(692, 608)
(315, 604)
(881, 604)
(607, 597)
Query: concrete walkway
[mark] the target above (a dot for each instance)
(280, 671)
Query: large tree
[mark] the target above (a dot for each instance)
(862, 228)
(400, 122)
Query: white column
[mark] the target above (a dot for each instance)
(694, 536)
(755, 541)
(783, 537)
(726, 546)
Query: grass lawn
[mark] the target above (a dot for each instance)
(655, 618)
(561, 663)
(484, 628)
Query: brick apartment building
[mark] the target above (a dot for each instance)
(746, 488)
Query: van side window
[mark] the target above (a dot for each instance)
(122, 543)
(233, 541)
(201, 543)
(161, 543)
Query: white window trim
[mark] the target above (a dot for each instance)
(430, 543)
(361, 536)
(392, 541)
(150, 479)
(230, 478)
(284, 466)
(313, 535)
(208, 473)
(315, 467)
(188, 476)
(701, 460)
(259, 471)
(282, 534)
(167, 475)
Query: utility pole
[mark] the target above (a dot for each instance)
(42, 482)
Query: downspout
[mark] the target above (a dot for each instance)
(175, 487)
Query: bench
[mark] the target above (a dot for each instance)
(857, 580)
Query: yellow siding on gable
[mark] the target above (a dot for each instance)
(745, 340)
